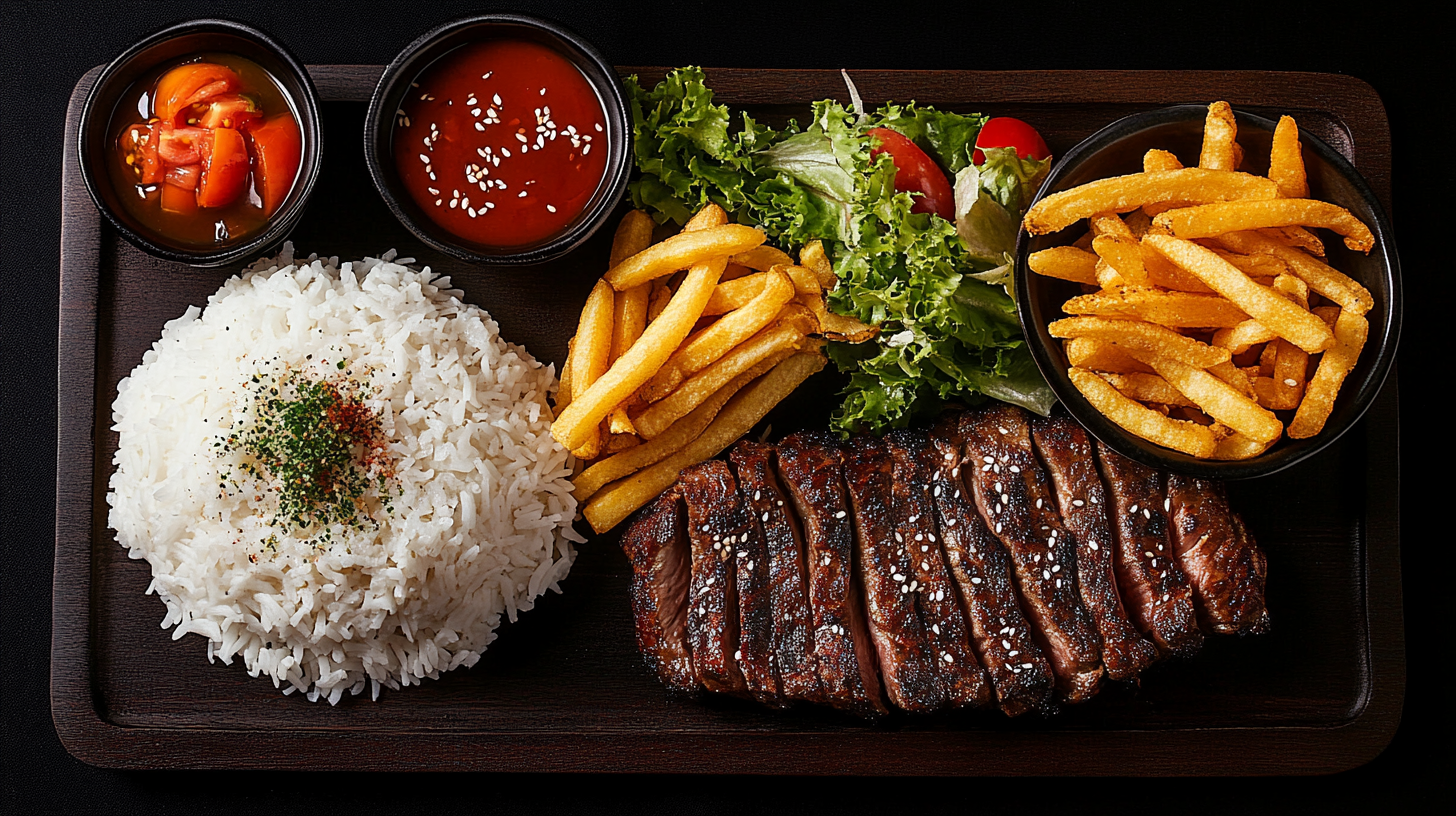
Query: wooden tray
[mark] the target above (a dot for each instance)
(564, 689)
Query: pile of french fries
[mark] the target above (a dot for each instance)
(1208, 304)
(683, 346)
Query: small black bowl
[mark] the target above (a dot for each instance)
(1118, 149)
(180, 40)
(415, 59)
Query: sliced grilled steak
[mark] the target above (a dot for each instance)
(1156, 591)
(1222, 561)
(946, 631)
(717, 522)
(811, 470)
(906, 655)
(657, 545)
(781, 561)
(982, 570)
(1015, 499)
(1082, 501)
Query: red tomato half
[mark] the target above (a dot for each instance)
(1003, 131)
(185, 177)
(224, 168)
(916, 172)
(277, 151)
(188, 84)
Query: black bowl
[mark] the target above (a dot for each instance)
(379, 128)
(1118, 149)
(178, 41)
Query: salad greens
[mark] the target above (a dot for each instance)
(940, 292)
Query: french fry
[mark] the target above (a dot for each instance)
(1172, 309)
(1243, 337)
(1126, 193)
(1267, 359)
(1066, 263)
(681, 251)
(1209, 220)
(771, 344)
(735, 271)
(1108, 225)
(709, 216)
(1236, 447)
(701, 349)
(1140, 339)
(633, 235)
(812, 255)
(1286, 160)
(642, 361)
(1290, 365)
(735, 294)
(1255, 266)
(617, 501)
(1163, 272)
(1107, 276)
(1123, 254)
(1321, 277)
(591, 353)
(609, 469)
(1146, 388)
(1218, 399)
(1297, 237)
(563, 386)
(1276, 312)
(1085, 352)
(1314, 410)
(1155, 160)
(658, 299)
(1220, 150)
(1234, 376)
(762, 258)
(1188, 437)
(804, 280)
(1138, 222)
(618, 442)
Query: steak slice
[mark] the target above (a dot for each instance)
(944, 624)
(717, 523)
(780, 559)
(907, 659)
(982, 569)
(811, 470)
(1221, 559)
(1013, 496)
(1153, 586)
(657, 545)
(1082, 501)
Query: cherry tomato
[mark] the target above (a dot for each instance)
(185, 177)
(189, 84)
(139, 150)
(229, 111)
(179, 145)
(916, 172)
(1003, 131)
(224, 168)
(277, 151)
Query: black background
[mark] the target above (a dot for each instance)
(46, 47)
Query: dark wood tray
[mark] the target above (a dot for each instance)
(564, 689)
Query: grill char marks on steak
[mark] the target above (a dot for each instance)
(811, 470)
(1153, 586)
(1227, 569)
(1013, 495)
(906, 655)
(755, 605)
(716, 520)
(944, 624)
(780, 559)
(1082, 501)
(657, 545)
(982, 569)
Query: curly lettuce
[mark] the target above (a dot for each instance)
(942, 300)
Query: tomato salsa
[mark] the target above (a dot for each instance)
(210, 153)
(502, 142)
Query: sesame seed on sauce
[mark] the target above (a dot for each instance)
(545, 105)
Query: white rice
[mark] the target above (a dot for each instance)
(481, 499)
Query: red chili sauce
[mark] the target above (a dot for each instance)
(502, 142)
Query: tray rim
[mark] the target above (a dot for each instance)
(88, 736)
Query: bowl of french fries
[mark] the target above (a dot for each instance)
(1210, 291)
